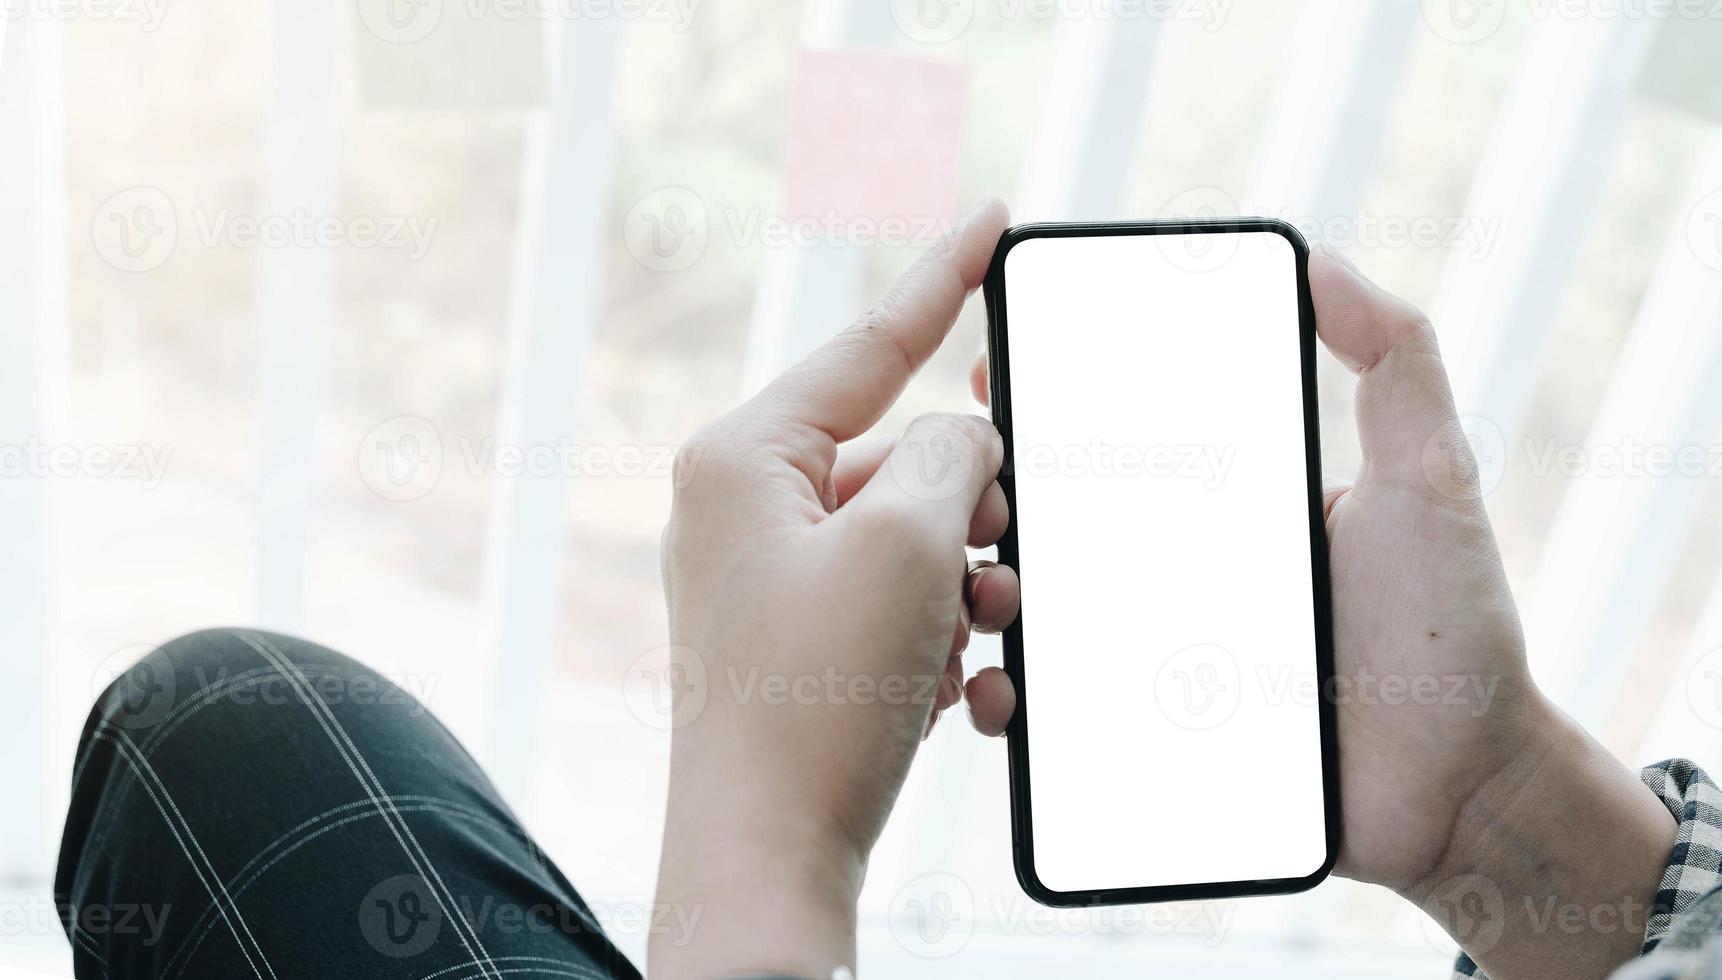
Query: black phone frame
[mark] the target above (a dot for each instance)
(998, 364)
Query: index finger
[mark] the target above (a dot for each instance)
(846, 385)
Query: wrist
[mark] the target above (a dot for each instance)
(1502, 804)
(772, 890)
(1553, 860)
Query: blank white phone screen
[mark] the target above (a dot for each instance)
(1168, 632)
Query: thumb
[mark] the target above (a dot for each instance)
(1407, 426)
(935, 476)
(847, 385)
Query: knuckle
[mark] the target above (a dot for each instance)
(1406, 321)
(877, 330)
(687, 461)
(969, 434)
(887, 310)
(701, 458)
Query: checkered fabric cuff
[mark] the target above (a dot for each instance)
(1694, 866)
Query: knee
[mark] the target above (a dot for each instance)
(242, 665)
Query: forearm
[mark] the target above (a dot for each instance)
(1554, 863)
(774, 894)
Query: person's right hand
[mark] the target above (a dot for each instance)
(1438, 791)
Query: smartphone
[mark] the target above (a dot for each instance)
(1155, 386)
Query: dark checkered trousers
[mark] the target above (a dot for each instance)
(255, 807)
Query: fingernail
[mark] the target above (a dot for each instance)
(976, 572)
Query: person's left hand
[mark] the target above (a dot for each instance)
(820, 602)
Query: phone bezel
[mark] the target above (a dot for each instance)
(998, 363)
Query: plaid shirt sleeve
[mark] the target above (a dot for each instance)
(1684, 941)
